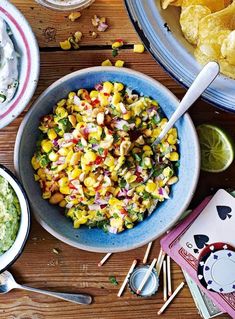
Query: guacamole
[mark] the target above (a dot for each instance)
(9, 215)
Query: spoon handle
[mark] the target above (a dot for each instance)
(202, 81)
(75, 298)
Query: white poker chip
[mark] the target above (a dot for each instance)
(219, 271)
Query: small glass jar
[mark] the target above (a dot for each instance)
(66, 5)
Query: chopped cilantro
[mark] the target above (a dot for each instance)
(114, 52)
(113, 280)
(125, 128)
(122, 183)
(115, 215)
(65, 124)
(100, 150)
(137, 157)
(93, 141)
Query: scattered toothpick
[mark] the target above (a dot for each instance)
(104, 259)
(171, 298)
(168, 260)
(148, 273)
(164, 282)
(126, 278)
(147, 253)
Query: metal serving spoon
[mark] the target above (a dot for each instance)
(7, 283)
(200, 84)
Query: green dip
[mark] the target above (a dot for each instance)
(9, 215)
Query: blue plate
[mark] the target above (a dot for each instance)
(165, 215)
(160, 32)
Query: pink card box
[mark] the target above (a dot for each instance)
(170, 244)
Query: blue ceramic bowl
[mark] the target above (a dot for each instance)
(164, 216)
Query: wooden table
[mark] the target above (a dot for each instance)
(74, 270)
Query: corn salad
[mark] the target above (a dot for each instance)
(94, 152)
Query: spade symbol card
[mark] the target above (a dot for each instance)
(216, 223)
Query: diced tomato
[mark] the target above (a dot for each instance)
(106, 94)
(105, 153)
(97, 188)
(98, 160)
(95, 102)
(139, 178)
(71, 186)
(123, 211)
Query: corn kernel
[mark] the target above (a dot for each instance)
(174, 156)
(172, 180)
(46, 195)
(147, 132)
(74, 16)
(150, 187)
(76, 223)
(138, 48)
(63, 151)
(65, 190)
(75, 159)
(51, 134)
(63, 203)
(118, 87)
(140, 188)
(53, 156)
(65, 45)
(117, 44)
(89, 156)
(116, 98)
(61, 112)
(75, 173)
(147, 148)
(107, 87)
(94, 94)
(61, 102)
(63, 181)
(89, 181)
(46, 146)
(119, 63)
(35, 163)
(137, 121)
(106, 63)
(61, 167)
(127, 116)
(171, 139)
(103, 99)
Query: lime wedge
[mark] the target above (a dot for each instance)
(216, 148)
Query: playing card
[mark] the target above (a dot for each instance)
(183, 256)
(205, 305)
(215, 223)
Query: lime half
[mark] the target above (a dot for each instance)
(216, 148)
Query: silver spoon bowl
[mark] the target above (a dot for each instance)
(7, 283)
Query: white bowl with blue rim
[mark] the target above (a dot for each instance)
(162, 218)
(161, 33)
(14, 252)
(26, 46)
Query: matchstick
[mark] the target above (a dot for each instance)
(168, 261)
(104, 259)
(164, 282)
(147, 253)
(159, 259)
(171, 298)
(126, 279)
(148, 273)
(160, 263)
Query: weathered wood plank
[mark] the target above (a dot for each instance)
(51, 27)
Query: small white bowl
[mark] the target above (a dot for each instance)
(66, 5)
(26, 45)
(10, 256)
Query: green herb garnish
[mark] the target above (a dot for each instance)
(113, 280)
